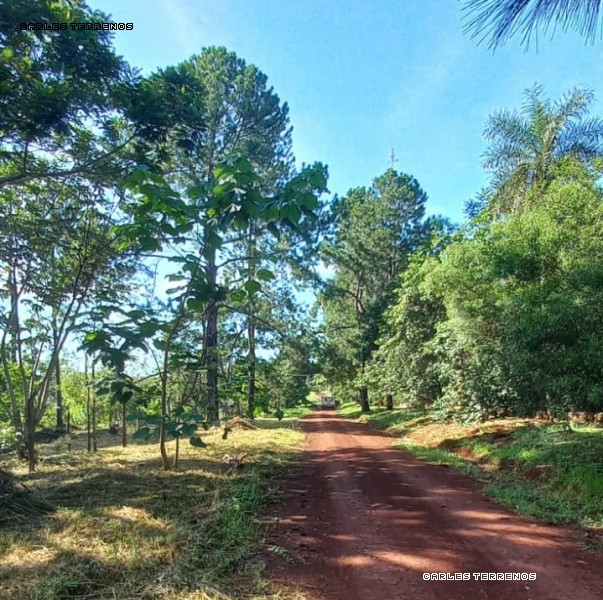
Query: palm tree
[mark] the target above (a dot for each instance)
(525, 145)
(501, 19)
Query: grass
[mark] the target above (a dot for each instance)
(125, 529)
(548, 471)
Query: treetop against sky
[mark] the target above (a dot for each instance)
(370, 77)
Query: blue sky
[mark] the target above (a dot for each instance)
(362, 77)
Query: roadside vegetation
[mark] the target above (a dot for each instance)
(122, 528)
(549, 471)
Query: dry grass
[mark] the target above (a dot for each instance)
(437, 434)
(124, 529)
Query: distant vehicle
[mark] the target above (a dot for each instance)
(327, 402)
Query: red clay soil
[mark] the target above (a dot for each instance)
(364, 520)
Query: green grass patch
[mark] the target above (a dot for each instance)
(443, 457)
(545, 471)
(351, 410)
(395, 421)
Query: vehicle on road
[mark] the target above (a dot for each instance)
(327, 403)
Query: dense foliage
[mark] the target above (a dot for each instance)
(156, 229)
(504, 315)
(153, 223)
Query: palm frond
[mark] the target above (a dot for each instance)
(583, 140)
(499, 20)
(507, 125)
(574, 104)
(504, 158)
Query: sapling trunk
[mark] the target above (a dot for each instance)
(124, 425)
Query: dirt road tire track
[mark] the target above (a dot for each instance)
(365, 520)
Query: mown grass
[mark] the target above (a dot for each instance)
(125, 529)
(549, 471)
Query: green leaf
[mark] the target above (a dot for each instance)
(196, 191)
(238, 296)
(195, 305)
(189, 429)
(252, 287)
(293, 214)
(309, 201)
(213, 239)
(197, 442)
(142, 434)
(273, 229)
(264, 275)
(126, 396)
(136, 314)
(279, 414)
(159, 344)
(149, 328)
(174, 429)
(174, 290)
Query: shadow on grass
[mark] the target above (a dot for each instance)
(124, 528)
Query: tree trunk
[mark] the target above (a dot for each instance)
(211, 345)
(30, 428)
(363, 399)
(251, 326)
(212, 363)
(176, 453)
(88, 406)
(94, 446)
(124, 425)
(60, 405)
(57, 373)
(165, 460)
(389, 402)
(251, 360)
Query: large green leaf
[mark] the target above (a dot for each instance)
(142, 434)
(252, 287)
(197, 442)
(213, 239)
(238, 295)
(195, 305)
(189, 429)
(264, 275)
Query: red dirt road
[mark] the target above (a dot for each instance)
(365, 521)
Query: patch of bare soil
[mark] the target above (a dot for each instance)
(364, 520)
